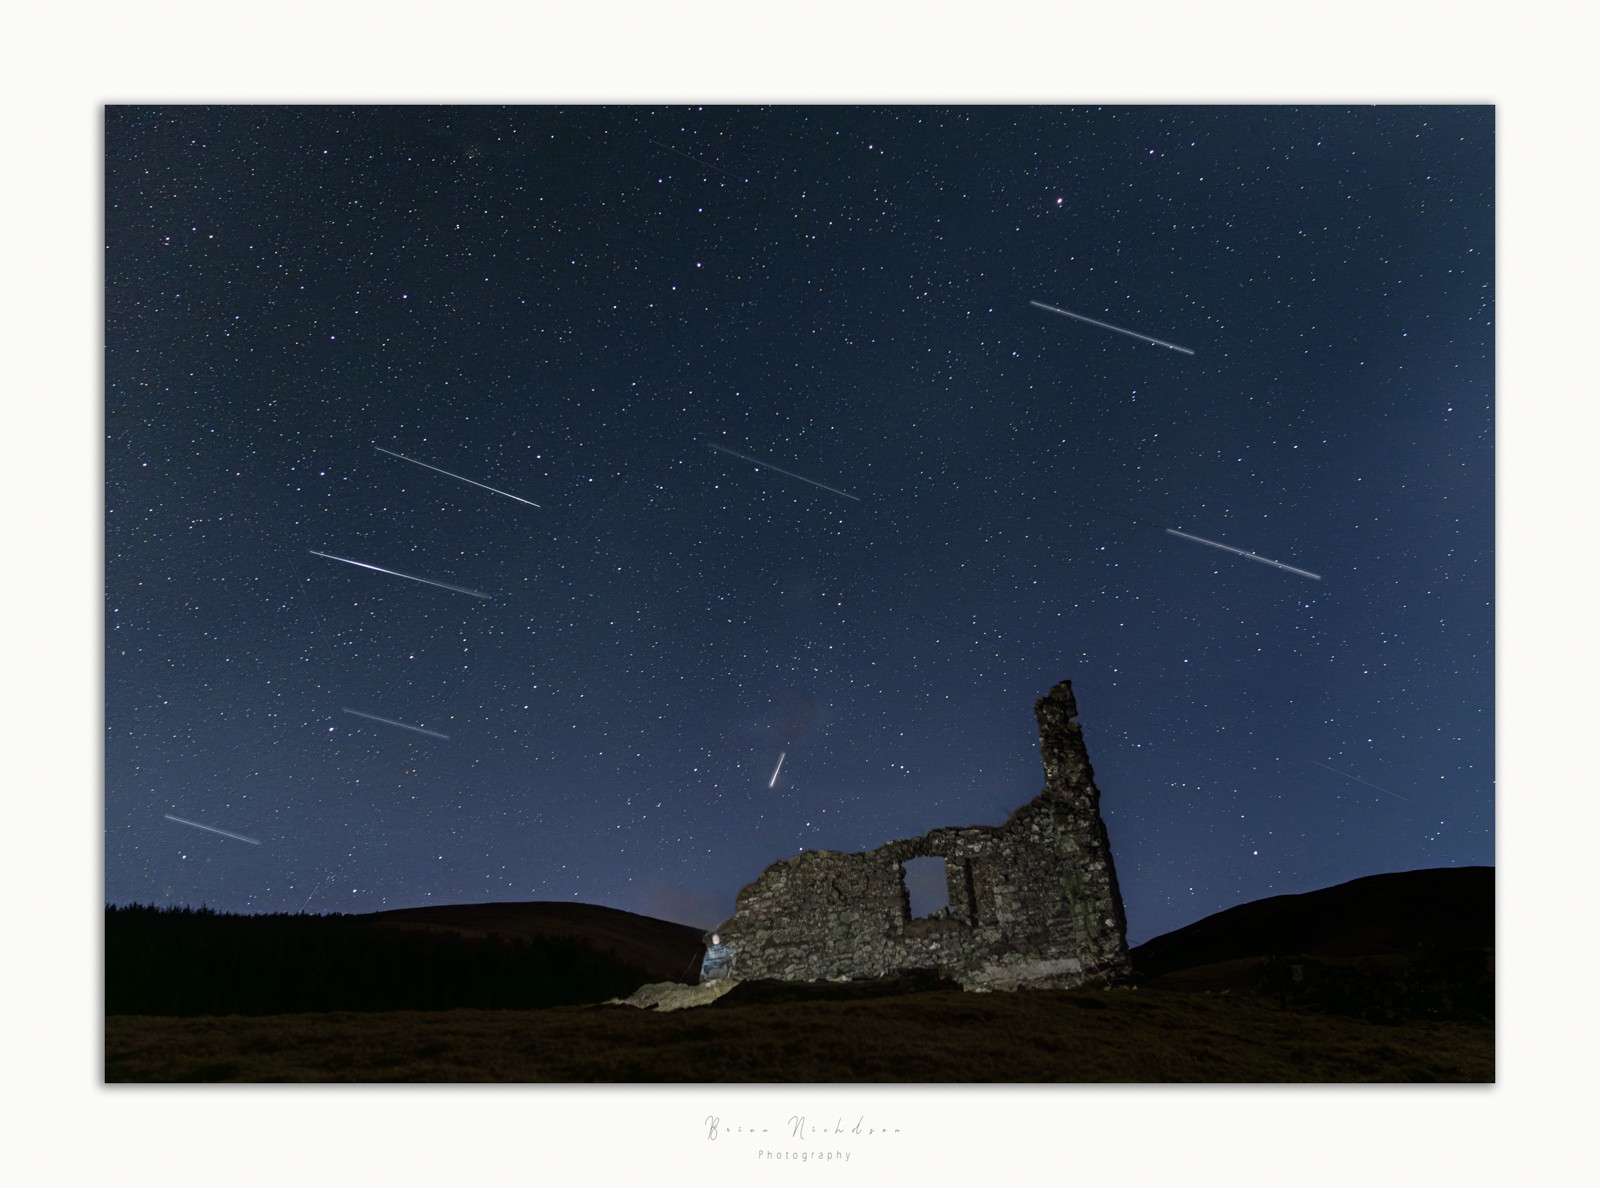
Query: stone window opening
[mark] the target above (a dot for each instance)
(927, 887)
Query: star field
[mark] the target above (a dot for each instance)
(356, 331)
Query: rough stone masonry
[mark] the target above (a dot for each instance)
(1033, 902)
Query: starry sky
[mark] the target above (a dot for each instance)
(534, 355)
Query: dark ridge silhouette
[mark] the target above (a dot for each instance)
(665, 951)
(1412, 944)
(1391, 915)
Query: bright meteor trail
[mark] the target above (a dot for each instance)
(1317, 577)
(781, 470)
(397, 573)
(773, 782)
(1359, 780)
(1109, 326)
(698, 161)
(485, 486)
(392, 722)
(208, 829)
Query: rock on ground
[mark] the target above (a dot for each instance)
(674, 996)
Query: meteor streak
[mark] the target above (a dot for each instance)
(209, 829)
(773, 782)
(485, 486)
(397, 573)
(1230, 549)
(698, 161)
(1359, 780)
(781, 470)
(392, 722)
(1109, 326)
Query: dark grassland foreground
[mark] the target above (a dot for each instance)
(937, 1036)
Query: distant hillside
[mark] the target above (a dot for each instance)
(668, 952)
(1381, 915)
(1414, 944)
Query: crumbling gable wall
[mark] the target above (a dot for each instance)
(1033, 902)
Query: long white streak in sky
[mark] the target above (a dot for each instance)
(781, 470)
(1316, 577)
(398, 574)
(698, 161)
(1108, 326)
(485, 486)
(208, 829)
(1359, 780)
(773, 782)
(392, 722)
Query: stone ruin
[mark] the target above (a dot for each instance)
(1033, 902)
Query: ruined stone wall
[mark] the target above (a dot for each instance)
(1033, 902)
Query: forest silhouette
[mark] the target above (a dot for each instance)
(196, 961)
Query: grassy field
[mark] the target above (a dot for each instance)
(925, 1036)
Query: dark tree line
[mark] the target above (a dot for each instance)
(187, 961)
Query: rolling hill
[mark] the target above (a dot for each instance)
(668, 952)
(1387, 915)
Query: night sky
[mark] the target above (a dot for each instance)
(332, 330)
